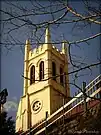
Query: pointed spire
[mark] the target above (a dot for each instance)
(47, 35)
(64, 47)
(27, 42)
(28, 45)
(27, 49)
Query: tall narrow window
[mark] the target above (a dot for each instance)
(32, 75)
(61, 76)
(54, 71)
(41, 71)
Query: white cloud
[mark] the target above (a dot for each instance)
(10, 106)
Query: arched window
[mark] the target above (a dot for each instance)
(61, 76)
(41, 71)
(32, 75)
(54, 71)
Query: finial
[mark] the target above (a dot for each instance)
(27, 42)
(64, 47)
(27, 46)
(47, 35)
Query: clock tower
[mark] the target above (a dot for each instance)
(44, 82)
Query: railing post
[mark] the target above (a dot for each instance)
(85, 97)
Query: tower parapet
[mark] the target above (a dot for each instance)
(42, 48)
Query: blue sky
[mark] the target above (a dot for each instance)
(12, 60)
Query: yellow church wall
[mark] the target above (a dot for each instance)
(24, 113)
(44, 96)
(21, 115)
(18, 117)
(36, 61)
(22, 120)
(37, 86)
(56, 100)
(58, 63)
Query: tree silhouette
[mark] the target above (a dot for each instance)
(7, 126)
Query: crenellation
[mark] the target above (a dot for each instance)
(37, 51)
(40, 48)
(56, 49)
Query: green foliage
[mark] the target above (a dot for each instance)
(7, 125)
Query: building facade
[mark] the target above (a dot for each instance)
(45, 84)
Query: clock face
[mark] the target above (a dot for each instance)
(37, 105)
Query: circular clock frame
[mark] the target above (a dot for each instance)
(37, 105)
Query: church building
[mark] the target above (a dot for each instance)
(45, 82)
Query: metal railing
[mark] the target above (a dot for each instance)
(92, 89)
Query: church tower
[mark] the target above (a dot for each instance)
(44, 87)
